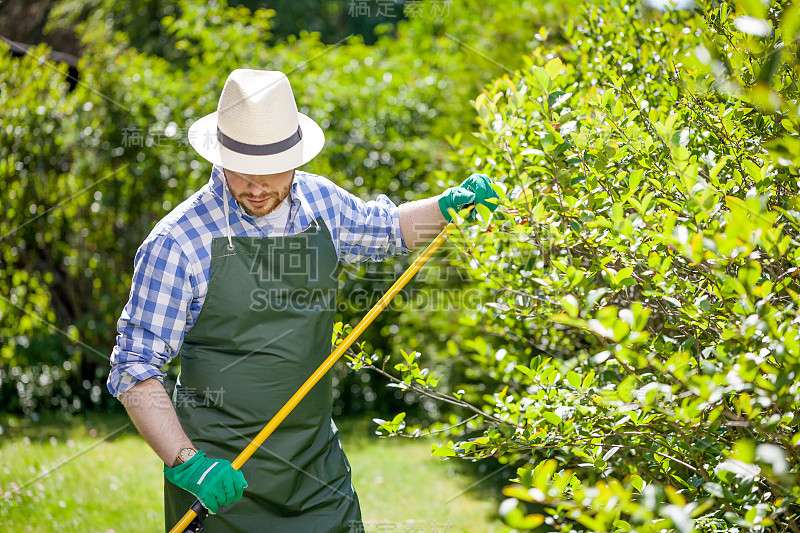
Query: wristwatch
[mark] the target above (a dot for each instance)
(183, 456)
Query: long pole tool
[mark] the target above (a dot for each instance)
(192, 521)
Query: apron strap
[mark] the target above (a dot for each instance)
(227, 210)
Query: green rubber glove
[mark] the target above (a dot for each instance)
(473, 191)
(213, 481)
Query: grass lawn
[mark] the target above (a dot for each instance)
(70, 477)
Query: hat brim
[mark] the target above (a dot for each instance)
(203, 138)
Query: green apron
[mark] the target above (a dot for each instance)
(265, 326)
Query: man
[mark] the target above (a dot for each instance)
(240, 280)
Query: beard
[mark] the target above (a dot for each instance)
(273, 200)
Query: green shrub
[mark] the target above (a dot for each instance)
(637, 352)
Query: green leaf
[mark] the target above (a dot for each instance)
(538, 211)
(574, 379)
(588, 380)
(525, 370)
(483, 211)
(444, 451)
(592, 523)
(553, 68)
(749, 274)
(635, 179)
(498, 190)
(531, 521)
(744, 450)
(551, 417)
(570, 305)
(543, 474)
(556, 100)
(542, 77)
(718, 167)
(593, 297)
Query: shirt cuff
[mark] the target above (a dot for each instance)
(122, 379)
(397, 234)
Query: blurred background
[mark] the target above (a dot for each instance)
(95, 121)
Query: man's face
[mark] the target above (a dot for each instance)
(259, 194)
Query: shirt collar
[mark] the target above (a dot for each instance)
(297, 199)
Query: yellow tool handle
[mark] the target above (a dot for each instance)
(259, 439)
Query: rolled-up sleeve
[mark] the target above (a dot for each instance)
(152, 324)
(368, 230)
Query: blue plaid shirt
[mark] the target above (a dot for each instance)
(172, 266)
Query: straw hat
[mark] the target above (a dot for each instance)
(256, 128)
